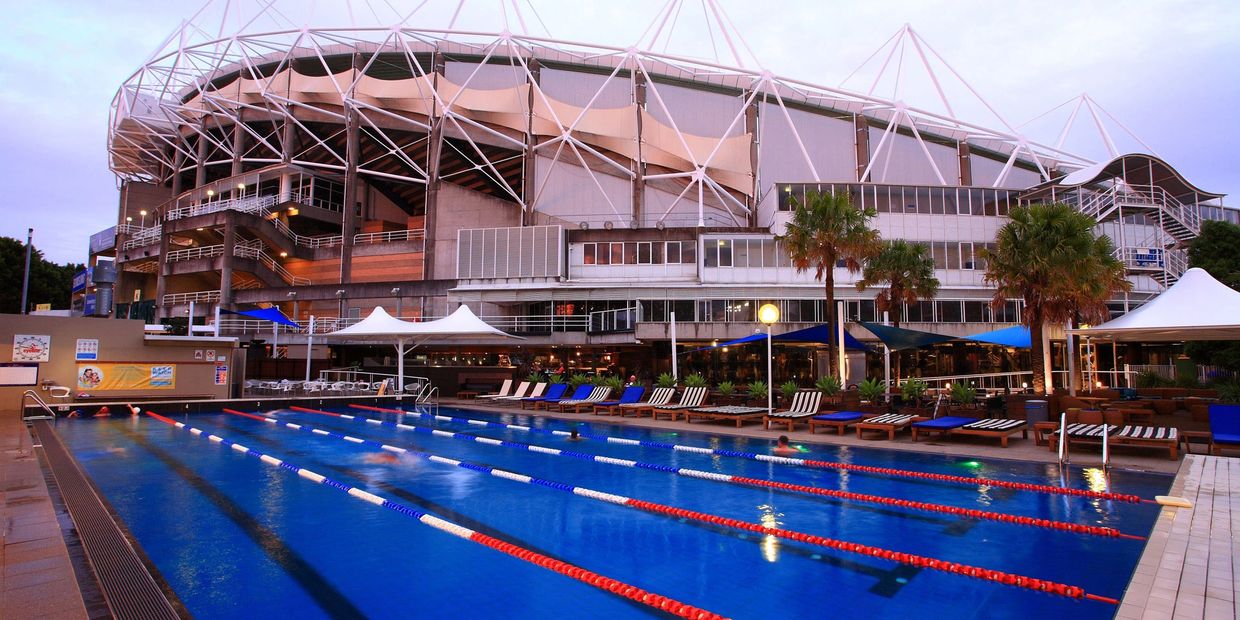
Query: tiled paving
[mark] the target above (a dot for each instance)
(37, 579)
(1191, 568)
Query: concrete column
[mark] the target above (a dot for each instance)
(637, 166)
(348, 223)
(287, 136)
(238, 144)
(861, 134)
(161, 278)
(966, 163)
(433, 151)
(178, 160)
(528, 186)
(226, 261)
(200, 171)
(751, 125)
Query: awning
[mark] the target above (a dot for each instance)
(1017, 336)
(1197, 307)
(898, 338)
(822, 334)
(272, 314)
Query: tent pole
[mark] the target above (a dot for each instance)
(217, 320)
(275, 340)
(309, 345)
(886, 357)
(675, 373)
(400, 366)
(1073, 384)
(839, 340)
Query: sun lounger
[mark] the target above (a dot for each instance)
(729, 412)
(889, 423)
(942, 425)
(554, 393)
(1224, 427)
(804, 406)
(630, 395)
(660, 396)
(598, 395)
(839, 420)
(691, 399)
(994, 428)
(520, 392)
(581, 392)
(534, 393)
(1154, 436)
(503, 390)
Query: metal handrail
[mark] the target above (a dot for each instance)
(206, 251)
(389, 236)
(38, 401)
(244, 204)
(197, 296)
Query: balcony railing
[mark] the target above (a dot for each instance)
(173, 299)
(389, 236)
(206, 251)
(620, 320)
(244, 204)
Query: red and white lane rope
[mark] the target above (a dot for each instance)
(1011, 579)
(602, 582)
(971, 513)
(795, 462)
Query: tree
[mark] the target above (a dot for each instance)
(827, 230)
(908, 270)
(1217, 250)
(49, 282)
(1048, 255)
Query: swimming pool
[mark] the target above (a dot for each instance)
(235, 537)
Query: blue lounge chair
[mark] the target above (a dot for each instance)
(941, 425)
(1224, 426)
(555, 392)
(838, 420)
(583, 391)
(631, 394)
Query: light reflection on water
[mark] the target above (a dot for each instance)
(769, 518)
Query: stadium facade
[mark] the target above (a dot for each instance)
(575, 194)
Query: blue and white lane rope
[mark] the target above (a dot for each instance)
(608, 584)
(784, 460)
(1012, 579)
(972, 513)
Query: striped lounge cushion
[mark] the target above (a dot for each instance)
(894, 419)
(997, 424)
(1149, 432)
(1090, 430)
(732, 410)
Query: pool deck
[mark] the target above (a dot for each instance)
(38, 579)
(1190, 568)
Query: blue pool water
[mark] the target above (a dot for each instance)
(238, 538)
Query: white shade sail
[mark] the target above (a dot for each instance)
(1197, 307)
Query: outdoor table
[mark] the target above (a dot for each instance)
(1187, 438)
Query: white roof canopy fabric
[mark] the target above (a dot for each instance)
(383, 327)
(1198, 307)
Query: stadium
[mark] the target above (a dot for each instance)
(577, 195)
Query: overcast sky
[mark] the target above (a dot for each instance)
(1166, 70)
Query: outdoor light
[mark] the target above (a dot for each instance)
(128, 219)
(293, 211)
(241, 186)
(283, 254)
(769, 315)
(210, 193)
(199, 229)
(143, 214)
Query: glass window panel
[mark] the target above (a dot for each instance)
(712, 253)
(673, 252)
(587, 253)
(740, 253)
(683, 309)
(950, 312)
(718, 310)
(725, 252)
(922, 198)
(937, 204)
(604, 254)
(656, 253)
(630, 253)
(688, 252)
(953, 255)
(966, 255)
(882, 199)
(617, 253)
(643, 253)
(912, 313)
(768, 253)
(939, 253)
(973, 312)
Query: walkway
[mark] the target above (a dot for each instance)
(1191, 568)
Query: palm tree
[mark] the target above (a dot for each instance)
(1048, 255)
(908, 270)
(825, 230)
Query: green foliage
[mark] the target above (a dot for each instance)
(695, 380)
(1229, 392)
(726, 388)
(577, 380)
(908, 271)
(49, 282)
(871, 390)
(789, 388)
(1186, 381)
(828, 385)
(758, 389)
(963, 393)
(1151, 379)
(554, 379)
(535, 377)
(665, 380)
(615, 383)
(913, 389)
(825, 229)
(1048, 255)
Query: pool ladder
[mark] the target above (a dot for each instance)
(31, 394)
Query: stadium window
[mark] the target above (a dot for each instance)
(587, 254)
(673, 252)
(922, 199)
(966, 255)
(617, 253)
(974, 312)
(939, 253)
(740, 253)
(643, 253)
(949, 311)
(725, 252)
(711, 256)
(683, 309)
(630, 253)
(656, 253)
(953, 255)
(603, 254)
(688, 252)
(937, 205)
(882, 199)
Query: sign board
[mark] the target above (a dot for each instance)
(89, 306)
(42, 307)
(1148, 257)
(210, 355)
(31, 348)
(197, 354)
(126, 376)
(87, 350)
(103, 240)
(19, 374)
(221, 374)
(81, 280)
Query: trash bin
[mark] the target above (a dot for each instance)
(1037, 411)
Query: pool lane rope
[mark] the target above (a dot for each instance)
(1001, 577)
(972, 513)
(784, 460)
(602, 582)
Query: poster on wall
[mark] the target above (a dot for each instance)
(197, 354)
(124, 376)
(31, 348)
(221, 374)
(87, 350)
(210, 355)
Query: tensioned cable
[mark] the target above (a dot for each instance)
(602, 582)
(784, 460)
(973, 513)
(1031, 583)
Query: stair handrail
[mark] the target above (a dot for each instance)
(51, 415)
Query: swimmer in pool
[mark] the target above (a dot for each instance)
(381, 458)
(573, 436)
(782, 447)
(103, 412)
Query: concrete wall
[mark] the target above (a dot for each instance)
(462, 208)
(119, 341)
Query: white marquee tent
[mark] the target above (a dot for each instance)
(1197, 307)
(407, 335)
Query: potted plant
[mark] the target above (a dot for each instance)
(696, 380)
(665, 380)
(535, 377)
(912, 391)
(788, 390)
(727, 393)
(964, 397)
(615, 383)
(830, 388)
(757, 391)
(871, 392)
(554, 379)
(576, 381)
